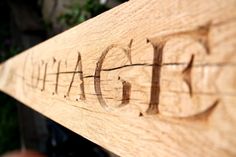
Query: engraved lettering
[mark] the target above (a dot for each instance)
(187, 77)
(183, 73)
(155, 86)
(126, 92)
(201, 35)
(97, 75)
(77, 69)
(57, 76)
(44, 76)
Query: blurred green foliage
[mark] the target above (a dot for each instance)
(79, 13)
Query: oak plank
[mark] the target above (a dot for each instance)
(147, 78)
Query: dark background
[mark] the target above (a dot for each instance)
(25, 23)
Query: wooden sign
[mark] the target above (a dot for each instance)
(147, 78)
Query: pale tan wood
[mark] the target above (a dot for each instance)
(147, 78)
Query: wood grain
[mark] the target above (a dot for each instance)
(147, 78)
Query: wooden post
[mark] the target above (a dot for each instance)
(147, 78)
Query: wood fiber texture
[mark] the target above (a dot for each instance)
(147, 78)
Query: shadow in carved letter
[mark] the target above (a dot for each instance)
(201, 36)
(155, 85)
(97, 76)
(77, 69)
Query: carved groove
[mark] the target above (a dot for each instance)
(126, 91)
(44, 77)
(200, 35)
(79, 67)
(38, 76)
(57, 77)
(156, 72)
(97, 75)
(202, 116)
(187, 77)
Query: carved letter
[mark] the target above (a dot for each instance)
(172, 84)
(77, 69)
(97, 76)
